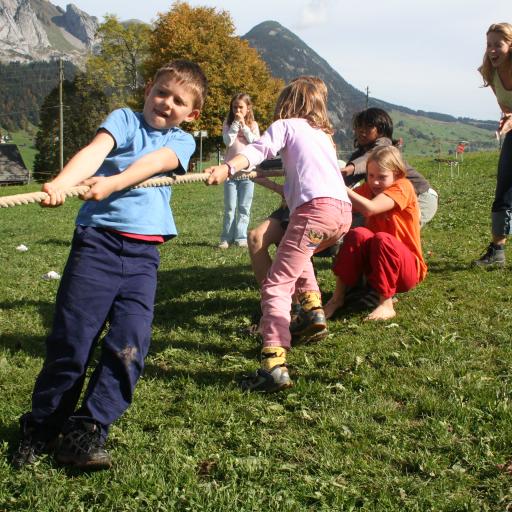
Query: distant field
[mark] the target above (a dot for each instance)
(25, 142)
(422, 137)
(414, 414)
(427, 137)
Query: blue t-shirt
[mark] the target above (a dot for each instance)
(144, 211)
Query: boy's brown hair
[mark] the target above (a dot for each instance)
(189, 74)
(390, 159)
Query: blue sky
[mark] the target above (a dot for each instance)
(421, 54)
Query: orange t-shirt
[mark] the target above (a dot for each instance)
(402, 221)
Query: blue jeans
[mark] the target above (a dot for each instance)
(237, 209)
(502, 205)
(108, 280)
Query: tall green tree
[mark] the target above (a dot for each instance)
(85, 108)
(206, 36)
(112, 79)
(116, 66)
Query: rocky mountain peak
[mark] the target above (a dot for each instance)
(34, 30)
(79, 24)
(287, 57)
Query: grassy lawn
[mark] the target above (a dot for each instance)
(412, 414)
(438, 137)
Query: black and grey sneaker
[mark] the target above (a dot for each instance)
(309, 325)
(82, 446)
(33, 444)
(28, 451)
(493, 257)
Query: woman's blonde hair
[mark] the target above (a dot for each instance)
(305, 99)
(389, 158)
(486, 69)
(249, 117)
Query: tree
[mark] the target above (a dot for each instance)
(207, 36)
(116, 67)
(112, 79)
(85, 108)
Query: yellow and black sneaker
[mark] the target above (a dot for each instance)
(310, 323)
(272, 376)
(309, 326)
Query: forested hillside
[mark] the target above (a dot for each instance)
(23, 89)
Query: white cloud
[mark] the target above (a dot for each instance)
(314, 13)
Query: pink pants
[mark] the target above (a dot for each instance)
(313, 226)
(388, 264)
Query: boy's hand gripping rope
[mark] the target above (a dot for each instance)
(38, 197)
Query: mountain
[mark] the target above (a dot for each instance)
(287, 57)
(36, 30)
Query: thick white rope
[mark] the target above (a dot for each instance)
(38, 197)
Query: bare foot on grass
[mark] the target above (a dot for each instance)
(384, 311)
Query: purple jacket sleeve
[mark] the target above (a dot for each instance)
(268, 145)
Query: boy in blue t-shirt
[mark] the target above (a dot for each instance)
(110, 275)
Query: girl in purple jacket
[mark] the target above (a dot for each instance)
(320, 213)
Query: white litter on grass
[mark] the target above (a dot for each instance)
(22, 248)
(390, 326)
(51, 275)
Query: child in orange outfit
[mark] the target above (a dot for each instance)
(387, 251)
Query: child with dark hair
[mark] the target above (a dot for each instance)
(373, 128)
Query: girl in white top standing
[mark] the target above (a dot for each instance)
(239, 129)
(496, 71)
(320, 213)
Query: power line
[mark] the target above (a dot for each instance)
(32, 110)
(31, 82)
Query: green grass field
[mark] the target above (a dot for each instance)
(408, 415)
(424, 136)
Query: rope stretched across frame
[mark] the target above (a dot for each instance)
(38, 197)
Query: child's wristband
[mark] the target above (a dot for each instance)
(231, 169)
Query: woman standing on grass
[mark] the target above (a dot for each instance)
(239, 129)
(496, 71)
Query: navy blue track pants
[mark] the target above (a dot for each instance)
(109, 280)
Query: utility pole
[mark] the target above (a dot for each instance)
(201, 134)
(367, 96)
(61, 116)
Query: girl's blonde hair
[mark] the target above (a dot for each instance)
(305, 99)
(249, 117)
(486, 69)
(389, 158)
(317, 82)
